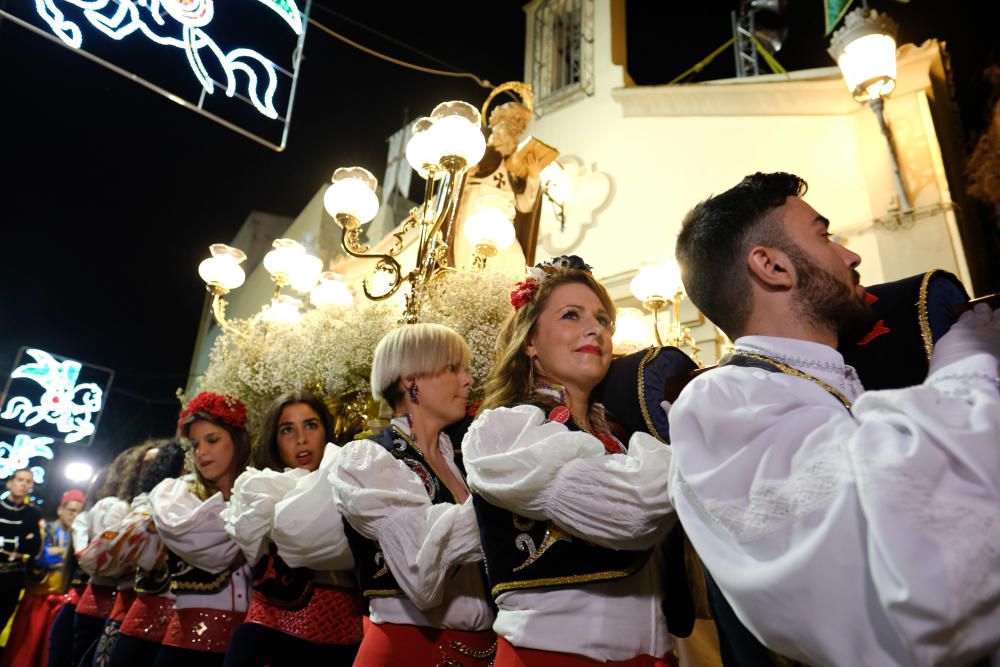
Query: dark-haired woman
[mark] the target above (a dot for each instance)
(208, 574)
(568, 515)
(305, 610)
(98, 599)
(411, 525)
(145, 623)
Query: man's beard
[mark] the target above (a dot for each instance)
(827, 302)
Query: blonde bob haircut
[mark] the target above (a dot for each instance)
(414, 349)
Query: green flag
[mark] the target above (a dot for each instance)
(833, 11)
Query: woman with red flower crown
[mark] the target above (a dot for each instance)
(305, 607)
(410, 522)
(208, 574)
(569, 516)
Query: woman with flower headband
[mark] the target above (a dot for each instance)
(304, 606)
(145, 623)
(569, 517)
(410, 521)
(208, 574)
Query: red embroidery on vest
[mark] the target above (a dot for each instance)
(870, 298)
(559, 414)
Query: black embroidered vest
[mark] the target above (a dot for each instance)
(523, 553)
(373, 573)
(154, 582)
(189, 580)
(282, 586)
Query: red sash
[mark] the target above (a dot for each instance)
(331, 616)
(390, 645)
(96, 601)
(206, 630)
(148, 618)
(123, 601)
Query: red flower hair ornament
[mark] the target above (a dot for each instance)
(227, 410)
(525, 290)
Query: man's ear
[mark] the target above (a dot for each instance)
(771, 268)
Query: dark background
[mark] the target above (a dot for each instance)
(111, 193)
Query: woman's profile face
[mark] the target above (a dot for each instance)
(213, 450)
(445, 395)
(301, 436)
(572, 338)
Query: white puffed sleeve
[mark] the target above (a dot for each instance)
(308, 529)
(116, 550)
(191, 528)
(80, 531)
(106, 512)
(250, 511)
(544, 471)
(385, 501)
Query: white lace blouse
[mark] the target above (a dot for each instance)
(840, 539)
(432, 550)
(193, 529)
(544, 471)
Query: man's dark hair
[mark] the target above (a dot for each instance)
(169, 463)
(716, 236)
(14, 474)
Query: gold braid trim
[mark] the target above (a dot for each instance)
(572, 579)
(788, 370)
(925, 325)
(196, 586)
(469, 652)
(382, 592)
(649, 356)
(553, 534)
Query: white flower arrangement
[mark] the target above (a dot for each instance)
(330, 350)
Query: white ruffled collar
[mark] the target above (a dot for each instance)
(821, 361)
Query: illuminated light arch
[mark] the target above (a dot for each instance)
(191, 17)
(58, 403)
(18, 455)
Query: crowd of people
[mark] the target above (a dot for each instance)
(592, 510)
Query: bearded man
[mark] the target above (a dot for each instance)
(837, 526)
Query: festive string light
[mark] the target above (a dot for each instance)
(18, 455)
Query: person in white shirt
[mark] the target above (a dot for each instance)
(570, 518)
(837, 526)
(296, 614)
(208, 574)
(145, 622)
(411, 525)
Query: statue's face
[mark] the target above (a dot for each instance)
(506, 128)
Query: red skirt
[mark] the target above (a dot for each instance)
(148, 618)
(389, 645)
(123, 601)
(206, 630)
(96, 601)
(29, 631)
(511, 656)
(332, 616)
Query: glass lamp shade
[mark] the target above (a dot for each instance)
(223, 267)
(418, 148)
(305, 274)
(456, 133)
(865, 51)
(490, 222)
(284, 259)
(283, 309)
(330, 291)
(353, 193)
(655, 282)
(631, 332)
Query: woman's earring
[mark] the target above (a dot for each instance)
(413, 391)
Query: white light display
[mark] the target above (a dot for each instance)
(180, 24)
(68, 406)
(19, 455)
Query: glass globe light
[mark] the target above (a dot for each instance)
(284, 259)
(631, 332)
(223, 268)
(652, 283)
(489, 223)
(456, 133)
(418, 148)
(283, 309)
(352, 192)
(330, 291)
(865, 50)
(305, 274)
(557, 182)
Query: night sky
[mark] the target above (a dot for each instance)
(111, 194)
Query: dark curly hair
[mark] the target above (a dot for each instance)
(169, 463)
(716, 236)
